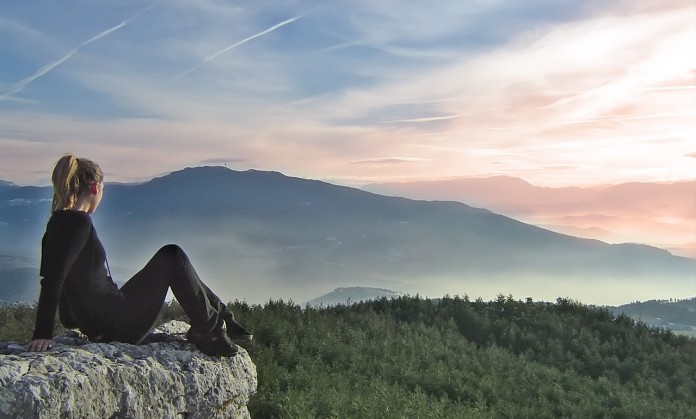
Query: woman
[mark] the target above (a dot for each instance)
(76, 280)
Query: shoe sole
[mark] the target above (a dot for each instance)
(197, 340)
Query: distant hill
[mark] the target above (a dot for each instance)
(255, 235)
(348, 295)
(19, 280)
(5, 185)
(672, 314)
(660, 214)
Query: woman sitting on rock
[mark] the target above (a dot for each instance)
(77, 282)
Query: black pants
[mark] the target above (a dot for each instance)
(143, 296)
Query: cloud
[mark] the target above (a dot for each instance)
(580, 88)
(22, 84)
(17, 29)
(422, 119)
(224, 161)
(45, 69)
(26, 202)
(388, 160)
(242, 42)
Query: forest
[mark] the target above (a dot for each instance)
(452, 357)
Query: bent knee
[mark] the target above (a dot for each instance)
(170, 250)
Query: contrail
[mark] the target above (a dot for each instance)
(424, 119)
(242, 42)
(21, 85)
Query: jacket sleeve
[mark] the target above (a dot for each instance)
(65, 238)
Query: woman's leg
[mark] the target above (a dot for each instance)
(144, 294)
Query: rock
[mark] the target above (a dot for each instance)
(164, 377)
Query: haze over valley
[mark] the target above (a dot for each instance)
(661, 214)
(256, 235)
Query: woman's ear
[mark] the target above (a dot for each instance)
(94, 188)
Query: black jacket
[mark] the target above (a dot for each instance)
(73, 273)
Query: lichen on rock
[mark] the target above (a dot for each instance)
(164, 377)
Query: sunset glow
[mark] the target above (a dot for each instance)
(353, 92)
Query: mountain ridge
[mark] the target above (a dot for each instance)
(7, 185)
(661, 214)
(260, 234)
(673, 314)
(349, 295)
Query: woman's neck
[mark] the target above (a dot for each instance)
(83, 204)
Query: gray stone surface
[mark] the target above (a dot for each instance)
(165, 377)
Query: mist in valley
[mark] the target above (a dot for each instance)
(257, 236)
(250, 261)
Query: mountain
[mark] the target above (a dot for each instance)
(660, 214)
(18, 280)
(5, 185)
(672, 314)
(23, 215)
(348, 295)
(257, 235)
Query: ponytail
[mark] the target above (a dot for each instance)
(71, 177)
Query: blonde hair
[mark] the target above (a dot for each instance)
(71, 177)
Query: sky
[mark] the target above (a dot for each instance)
(556, 92)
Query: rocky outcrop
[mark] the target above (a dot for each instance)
(165, 377)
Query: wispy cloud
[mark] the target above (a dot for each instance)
(355, 86)
(388, 160)
(240, 43)
(422, 119)
(224, 161)
(22, 84)
(47, 68)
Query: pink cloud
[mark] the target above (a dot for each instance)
(387, 160)
(582, 102)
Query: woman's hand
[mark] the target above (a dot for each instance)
(40, 345)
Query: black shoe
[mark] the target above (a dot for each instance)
(235, 331)
(215, 343)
